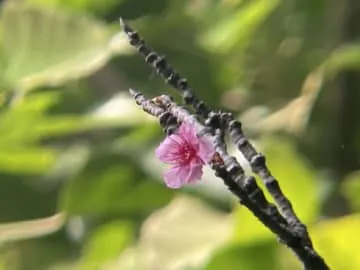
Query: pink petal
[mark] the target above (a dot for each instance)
(194, 173)
(178, 176)
(173, 177)
(188, 133)
(206, 149)
(175, 150)
(168, 148)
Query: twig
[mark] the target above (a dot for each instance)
(245, 187)
(230, 171)
(258, 166)
(257, 161)
(162, 68)
(287, 226)
(233, 168)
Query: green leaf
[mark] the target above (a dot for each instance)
(297, 181)
(18, 122)
(47, 47)
(248, 229)
(183, 235)
(112, 183)
(26, 121)
(99, 7)
(27, 160)
(236, 30)
(351, 189)
(296, 177)
(45, 253)
(249, 257)
(106, 243)
(344, 57)
(337, 240)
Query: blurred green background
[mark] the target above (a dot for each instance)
(79, 184)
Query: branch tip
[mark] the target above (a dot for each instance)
(133, 93)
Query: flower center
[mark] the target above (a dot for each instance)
(187, 153)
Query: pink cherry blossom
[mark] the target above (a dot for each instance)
(187, 153)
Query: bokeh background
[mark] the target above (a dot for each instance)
(80, 187)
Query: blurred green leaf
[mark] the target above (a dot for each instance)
(294, 116)
(35, 103)
(178, 237)
(96, 191)
(296, 177)
(99, 7)
(18, 122)
(39, 253)
(337, 240)
(248, 229)
(25, 197)
(27, 160)
(27, 121)
(150, 195)
(106, 244)
(263, 48)
(351, 189)
(236, 29)
(297, 181)
(245, 257)
(111, 184)
(345, 57)
(43, 46)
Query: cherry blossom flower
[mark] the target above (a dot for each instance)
(187, 153)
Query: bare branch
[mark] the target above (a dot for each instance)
(284, 223)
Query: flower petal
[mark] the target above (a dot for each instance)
(206, 149)
(178, 176)
(168, 149)
(187, 152)
(174, 177)
(188, 133)
(195, 172)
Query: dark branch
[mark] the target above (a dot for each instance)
(162, 68)
(288, 227)
(233, 168)
(242, 186)
(256, 160)
(258, 165)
